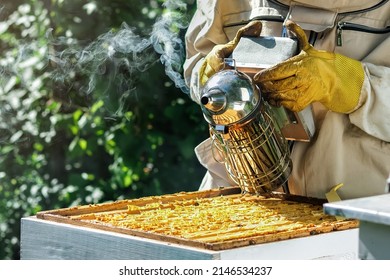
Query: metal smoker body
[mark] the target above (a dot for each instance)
(245, 136)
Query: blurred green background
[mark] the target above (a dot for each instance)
(72, 136)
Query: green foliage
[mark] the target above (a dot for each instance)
(64, 142)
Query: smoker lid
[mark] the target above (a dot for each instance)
(229, 97)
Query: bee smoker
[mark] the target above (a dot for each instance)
(244, 133)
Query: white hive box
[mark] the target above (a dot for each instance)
(67, 234)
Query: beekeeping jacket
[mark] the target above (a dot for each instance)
(353, 149)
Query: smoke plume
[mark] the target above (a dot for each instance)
(119, 54)
(168, 44)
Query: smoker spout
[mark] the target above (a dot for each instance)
(214, 100)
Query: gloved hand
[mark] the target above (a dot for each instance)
(312, 75)
(214, 61)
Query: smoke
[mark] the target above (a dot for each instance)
(119, 55)
(116, 57)
(169, 44)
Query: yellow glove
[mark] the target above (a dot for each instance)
(312, 75)
(214, 61)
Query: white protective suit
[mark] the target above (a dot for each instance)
(352, 149)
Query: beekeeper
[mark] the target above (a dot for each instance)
(342, 70)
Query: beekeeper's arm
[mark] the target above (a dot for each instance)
(203, 34)
(340, 83)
